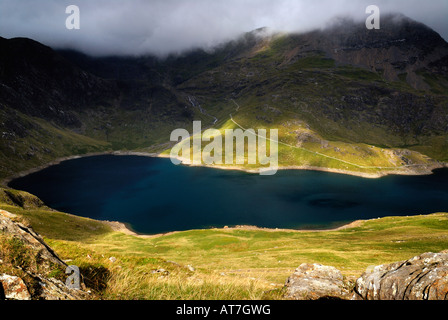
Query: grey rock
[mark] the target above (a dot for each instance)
(29, 238)
(191, 268)
(423, 277)
(14, 288)
(53, 289)
(315, 281)
(162, 272)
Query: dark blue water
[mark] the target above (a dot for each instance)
(154, 196)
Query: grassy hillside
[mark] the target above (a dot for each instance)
(341, 100)
(29, 142)
(329, 115)
(227, 263)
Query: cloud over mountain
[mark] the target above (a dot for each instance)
(133, 27)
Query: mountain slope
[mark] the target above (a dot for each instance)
(344, 98)
(50, 108)
(334, 92)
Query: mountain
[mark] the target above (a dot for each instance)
(344, 98)
(38, 82)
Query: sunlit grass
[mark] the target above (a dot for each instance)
(227, 263)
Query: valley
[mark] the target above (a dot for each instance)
(368, 117)
(345, 100)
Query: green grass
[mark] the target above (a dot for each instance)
(438, 84)
(229, 263)
(312, 62)
(315, 151)
(303, 97)
(288, 98)
(42, 143)
(308, 95)
(358, 74)
(19, 260)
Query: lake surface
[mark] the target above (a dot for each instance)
(154, 196)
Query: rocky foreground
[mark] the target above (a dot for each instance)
(423, 277)
(31, 270)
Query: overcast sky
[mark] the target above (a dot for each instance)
(165, 26)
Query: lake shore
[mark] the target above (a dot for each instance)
(127, 229)
(423, 170)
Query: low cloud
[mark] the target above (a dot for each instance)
(135, 27)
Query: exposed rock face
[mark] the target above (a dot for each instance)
(315, 281)
(43, 260)
(13, 287)
(27, 236)
(424, 277)
(401, 46)
(53, 289)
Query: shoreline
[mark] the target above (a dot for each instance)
(427, 169)
(127, 228)
(57, 161)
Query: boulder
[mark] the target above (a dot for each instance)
(315, 281)
(13, 288)
(423, 277)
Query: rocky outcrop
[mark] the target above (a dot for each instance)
(315, 281)
(53, 289)
(13, 288)
(423, 277)
(27, 264)
(29, 238)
